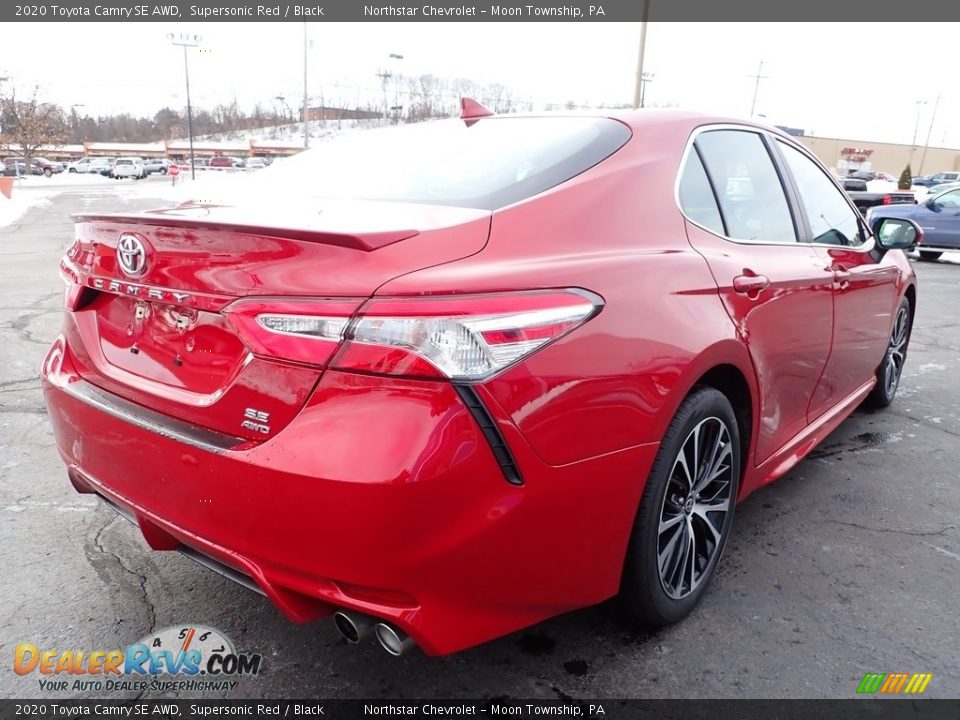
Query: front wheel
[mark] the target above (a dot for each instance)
(686, 511)
(930, 255)
(891, 368)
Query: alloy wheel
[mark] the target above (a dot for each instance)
(896, 352)
(695, 508)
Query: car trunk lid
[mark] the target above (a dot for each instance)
(150, 294)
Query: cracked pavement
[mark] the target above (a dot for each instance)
(850, 564)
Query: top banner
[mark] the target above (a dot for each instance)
(477, 11)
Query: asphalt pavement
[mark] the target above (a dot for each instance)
(848, 565)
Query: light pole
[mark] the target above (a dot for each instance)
(74, 118)
(916, 129)
(926, 145)
(756, 87)
(187, 41)
(638, 88)
(647, 77)
(306, 99)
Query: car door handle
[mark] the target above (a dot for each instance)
(750, 284)
(841, 277)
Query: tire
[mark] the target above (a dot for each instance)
(47, 172)
(72, 171)
(163, 171)
(891, 367)
(660, 593)
(930, 255)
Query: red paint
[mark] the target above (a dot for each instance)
(375, 488)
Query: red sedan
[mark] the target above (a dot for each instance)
(447, 380)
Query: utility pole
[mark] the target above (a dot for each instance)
(638, 89)
(396, 90)
(306, 98)
(926, 145)
(384, 76)
(756, 87)
(187, 41)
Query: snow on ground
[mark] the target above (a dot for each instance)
(21, 200)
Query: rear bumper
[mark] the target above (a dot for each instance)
(382, 496)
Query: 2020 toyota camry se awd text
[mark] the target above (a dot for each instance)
(452, 379)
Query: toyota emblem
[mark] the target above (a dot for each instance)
(132, 255)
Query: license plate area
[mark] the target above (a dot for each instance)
(174, 345)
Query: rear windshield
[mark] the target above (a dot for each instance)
(492, 163)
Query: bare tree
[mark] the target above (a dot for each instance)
(32, 124)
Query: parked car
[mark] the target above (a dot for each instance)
(864, 200)
(197, 162)
(455, 399)
(941, 188)
(254, 163)
(102, 165)
(871, 175)
(221, 162)
(156, 165)
(54, 166)
(938, 215)
(129, 167)
(37, 166)
(931, 180)
(82, 165)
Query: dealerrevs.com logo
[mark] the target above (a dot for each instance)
(191, 658)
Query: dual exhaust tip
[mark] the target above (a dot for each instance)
(354, 627)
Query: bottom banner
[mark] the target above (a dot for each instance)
(891, 709)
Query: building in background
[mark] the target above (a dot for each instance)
(843, 155)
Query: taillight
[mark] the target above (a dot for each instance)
(466, 337)
(887, 200)
(304, 331)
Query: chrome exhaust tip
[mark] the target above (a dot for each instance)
(353, 627)
(394, 641)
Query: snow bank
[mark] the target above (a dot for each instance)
(14, 208)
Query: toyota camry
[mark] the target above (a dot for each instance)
(447, 380)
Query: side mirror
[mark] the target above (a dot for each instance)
(896, 233)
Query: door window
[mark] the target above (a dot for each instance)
(697, 200)
(949, 200)
(751, 196)
(832, 220)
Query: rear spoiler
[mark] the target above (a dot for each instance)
(366, 241)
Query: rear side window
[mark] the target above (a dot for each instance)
(751, 196)
(486, 164)
(696, 196)
(832, 220)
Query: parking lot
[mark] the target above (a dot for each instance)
(850, 564)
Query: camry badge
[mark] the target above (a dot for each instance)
(132, 255)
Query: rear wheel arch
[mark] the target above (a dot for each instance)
(726, 367)
(911, 294)
(732, 383)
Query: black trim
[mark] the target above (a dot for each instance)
(122, 409)
(491, 432)
(240, 578)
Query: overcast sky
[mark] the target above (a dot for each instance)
(858, 81)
